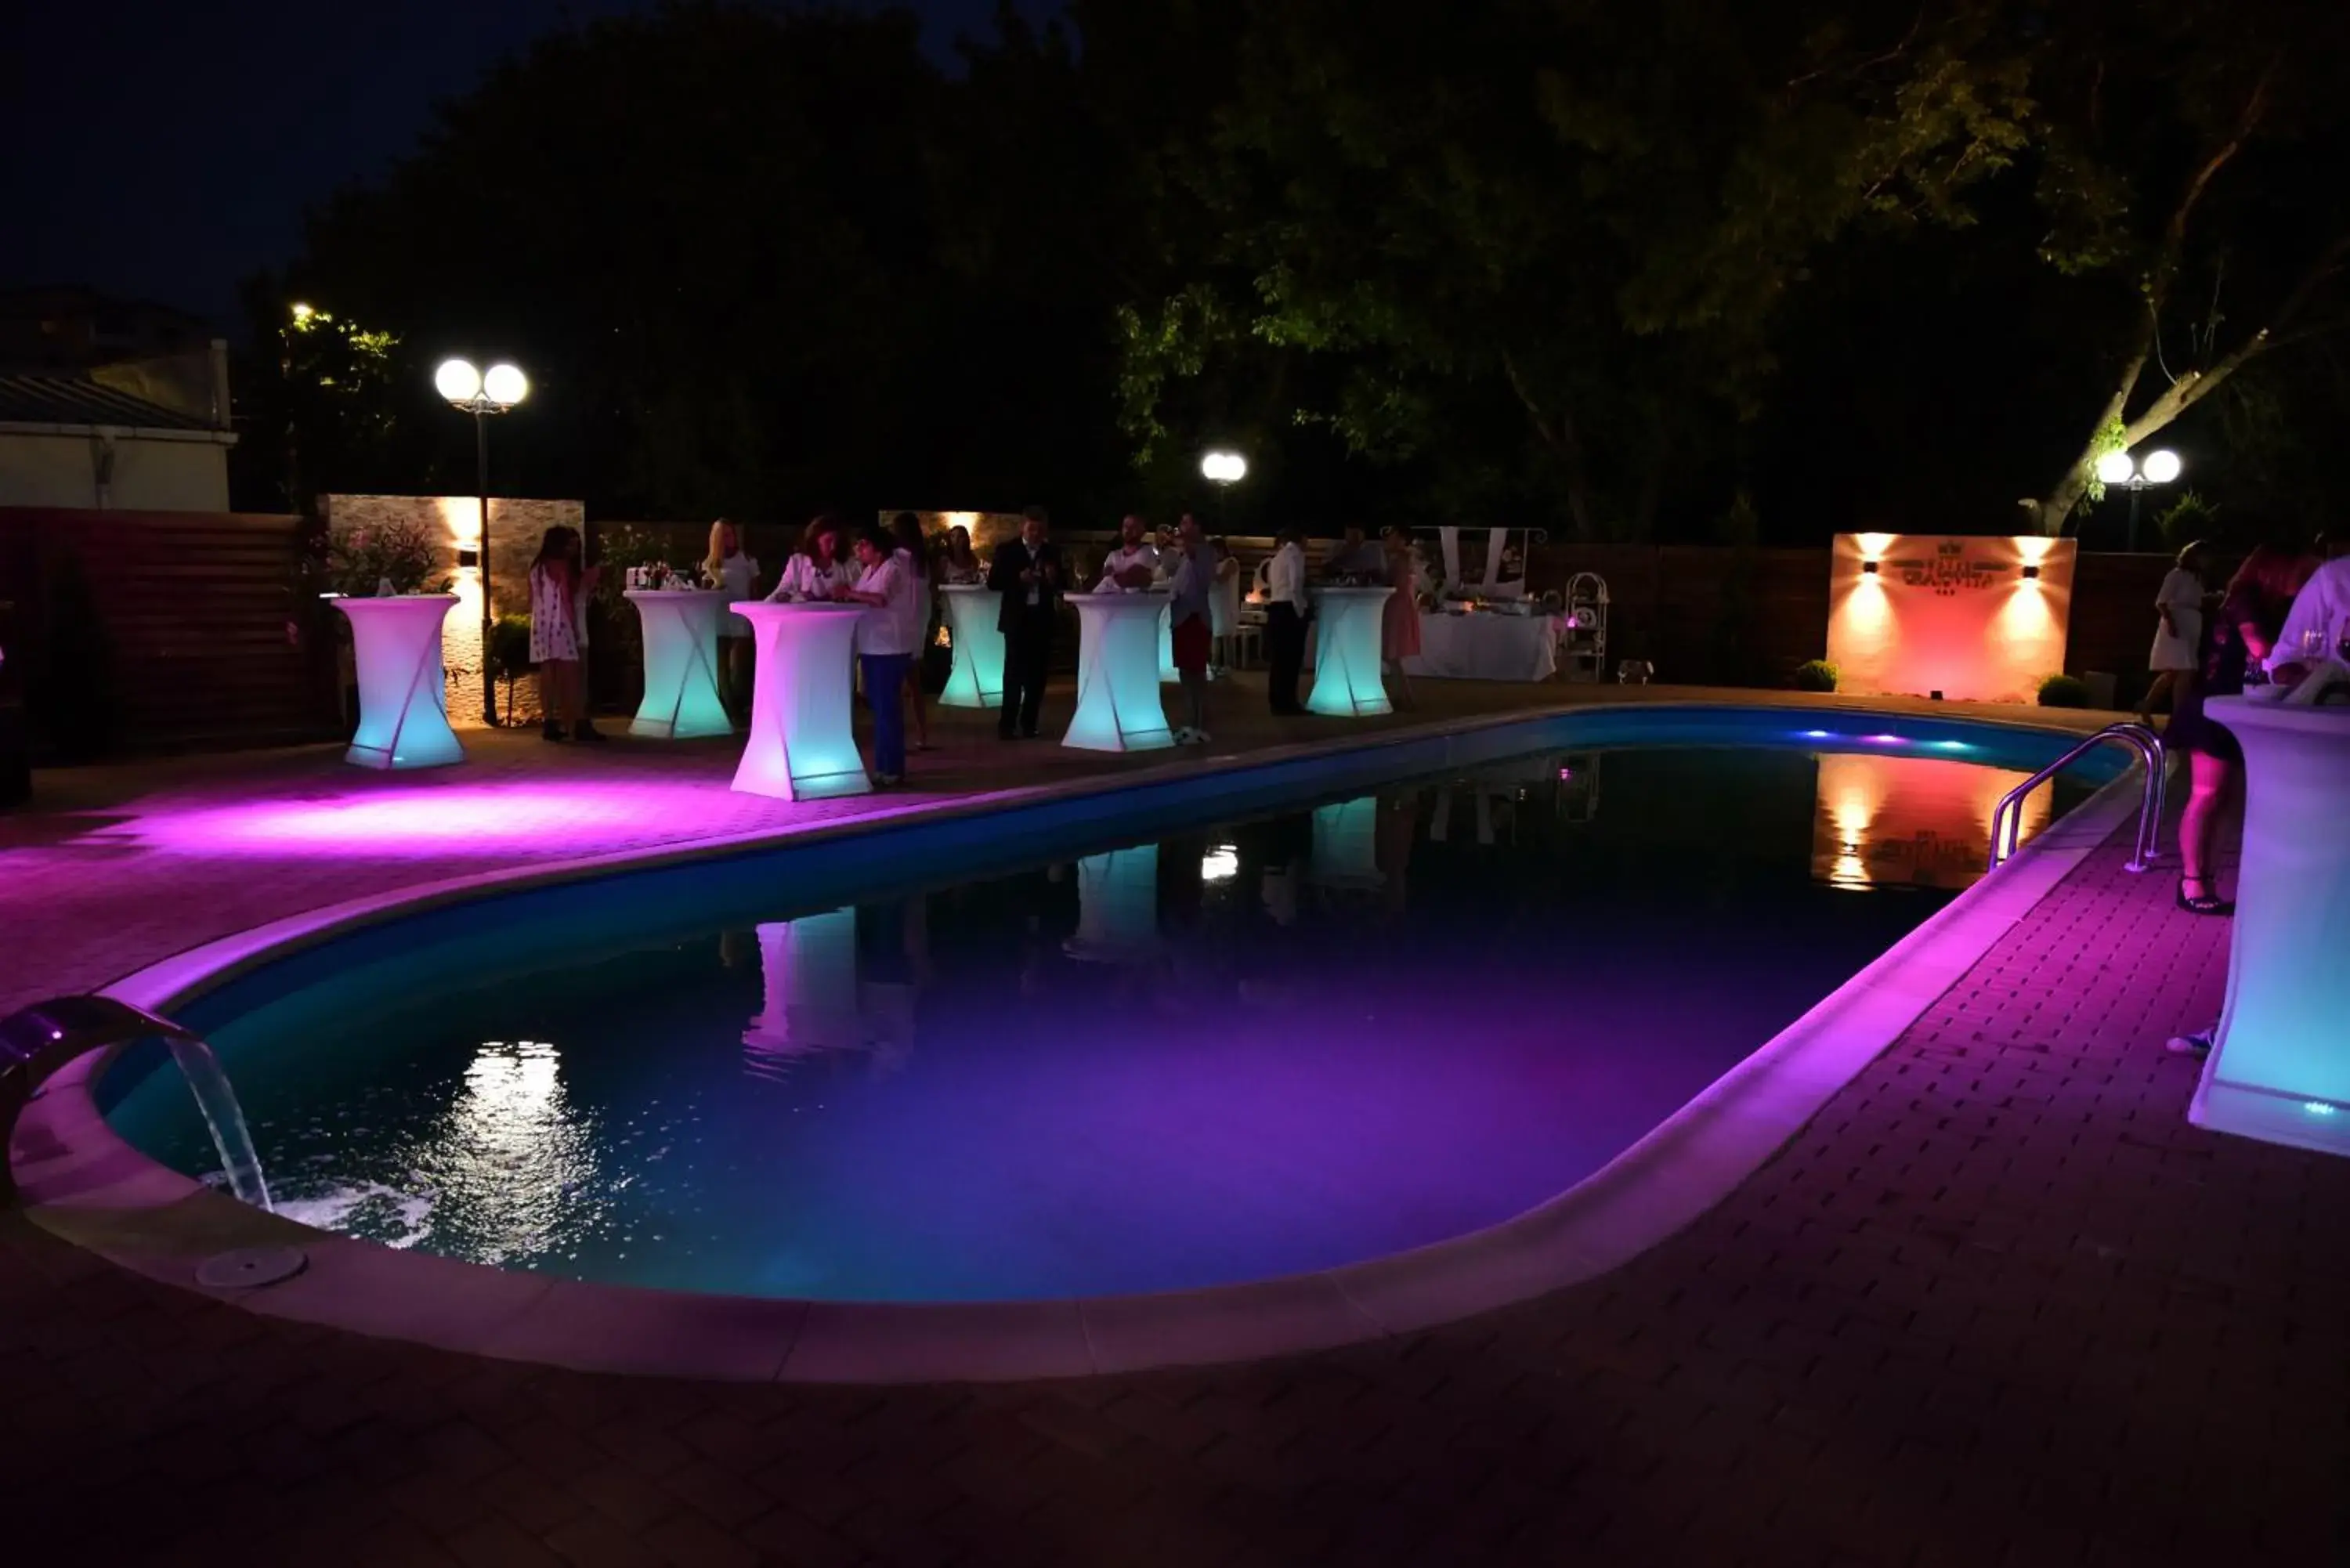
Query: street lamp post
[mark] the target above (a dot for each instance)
(1223, 469)
(472, 392)
(2116, 468)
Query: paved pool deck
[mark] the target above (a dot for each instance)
(1998, 1303)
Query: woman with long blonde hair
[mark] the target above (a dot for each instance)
(733, 570)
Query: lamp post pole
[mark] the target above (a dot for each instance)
(482, 557)
(471, 393)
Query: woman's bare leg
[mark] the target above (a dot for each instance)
(2212, 783)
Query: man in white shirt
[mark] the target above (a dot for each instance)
(884, 648)
(1284, 620)
(1133, 565)
(2322, 606)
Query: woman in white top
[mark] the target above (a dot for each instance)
(559, 584)
(885, 645)
(2179, 627)
(1224, 602)
(959, 566)
(816, 572)
(731, 570)
(914, 555)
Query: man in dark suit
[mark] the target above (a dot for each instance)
(1027, 571)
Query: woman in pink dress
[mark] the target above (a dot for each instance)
(1399, 621)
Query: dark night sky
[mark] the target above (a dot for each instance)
(165, 150)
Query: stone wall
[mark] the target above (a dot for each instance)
(517, 525)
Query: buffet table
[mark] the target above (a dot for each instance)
(1117, 673)
(2280, 1066)
(1485, 645)
(802, 745)
(977, 679)
(403, 694)
(680, 635)
(1346, 626)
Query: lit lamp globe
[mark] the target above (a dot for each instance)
(1224, 467)
(2161, 467)
(506, 384)
(2115, 468)
(457, 380)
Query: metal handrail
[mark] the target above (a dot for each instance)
(2007, 817)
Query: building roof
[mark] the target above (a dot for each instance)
(68, 401)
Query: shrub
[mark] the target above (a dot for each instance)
(2063, 691)
(359, 559)
(1815, 675)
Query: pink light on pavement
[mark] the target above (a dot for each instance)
(571, 816)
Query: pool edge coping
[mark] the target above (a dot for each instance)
(87, 1185)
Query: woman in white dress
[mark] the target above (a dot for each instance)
(732, 569)
(2178, 628)
(560, 584)
(1223, 602)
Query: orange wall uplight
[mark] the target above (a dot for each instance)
(1910, 614)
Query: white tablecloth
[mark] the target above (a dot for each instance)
(1485, 647)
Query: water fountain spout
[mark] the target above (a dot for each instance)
(39, 1041)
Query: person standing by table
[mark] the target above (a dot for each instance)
(2178, 630)
(1134, 565)
(1224, 604)
(884, 644)
(959, 566)
(560, 585)
(1192, 625)
(817, 571)
(1285, 626)
(1355, 557)
(1399, 616)
(914, 555)
(732, 570)
(1027, 571)
(2241, 635)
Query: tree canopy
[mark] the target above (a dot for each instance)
(1621, 271)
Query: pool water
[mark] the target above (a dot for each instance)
(1306, 1039)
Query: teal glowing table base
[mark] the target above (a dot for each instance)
(1347, 682)
(2279, 1069)
(403, 694)
(1118, 907)
(802, 745)
(977, 679)
(1118, 674)
(680, 634)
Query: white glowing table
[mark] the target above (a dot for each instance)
(977, 679)
(1346, 682)
(682, 698)
(403, 694)
(802, 744)
(1118, 674)
(1118, 907)
(2279, 1070)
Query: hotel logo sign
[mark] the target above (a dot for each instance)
(1947, 570)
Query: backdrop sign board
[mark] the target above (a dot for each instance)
(1978, 620)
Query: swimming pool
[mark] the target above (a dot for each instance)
(1253, 1024)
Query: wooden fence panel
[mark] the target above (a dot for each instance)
(204, 626)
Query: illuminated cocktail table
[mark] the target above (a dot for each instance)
(2279, 1069)
(1346, 682)
(977, 679)
(1117, 673)
(802, 745)
(404, 694)
(682, 700)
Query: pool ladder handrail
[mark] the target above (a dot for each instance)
(2007, 817)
